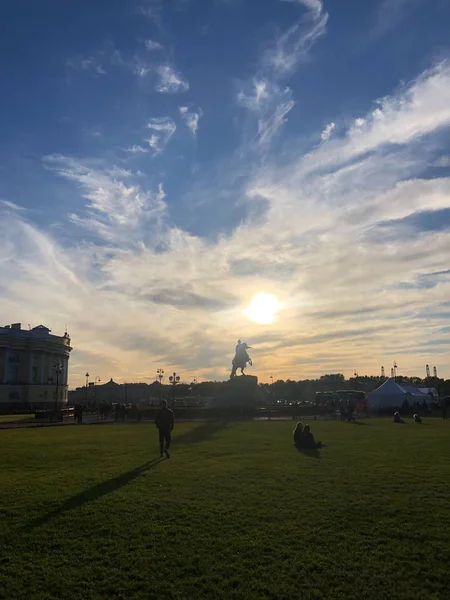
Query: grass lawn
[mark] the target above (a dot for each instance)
(90, 512)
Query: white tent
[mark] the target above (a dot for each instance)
(390, 393)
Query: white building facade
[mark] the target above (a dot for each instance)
(34, 367)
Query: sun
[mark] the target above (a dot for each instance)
(263, 308)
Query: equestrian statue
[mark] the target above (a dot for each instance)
(241, 358)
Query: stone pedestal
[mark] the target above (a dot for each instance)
(239, 391)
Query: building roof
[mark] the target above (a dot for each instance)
(41, 332)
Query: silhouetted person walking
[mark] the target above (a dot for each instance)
(165, 423)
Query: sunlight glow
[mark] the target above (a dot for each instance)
(263, 309)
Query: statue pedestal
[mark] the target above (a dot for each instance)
(239, 391)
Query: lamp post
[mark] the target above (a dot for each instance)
(160, 375)
(86, 390)
(174, 379)
(58, 367)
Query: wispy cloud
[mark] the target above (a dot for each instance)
(170, 82)
(153, 45)
(443, 161)
(115, 205)
(6, 204)
(141, 71)
(328, 131)
(90, 65)
(293, 46)
(191, 118)
(330, 242)
(163, 128)
(390, 13)
(269, 103)
(136, 149)
(262, 95)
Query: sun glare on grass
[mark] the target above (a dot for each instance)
(263, 309)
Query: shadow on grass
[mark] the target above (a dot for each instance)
(95, 492)
(201, 433)
(311, 452)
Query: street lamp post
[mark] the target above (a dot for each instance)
(96, 380)
(86, 390)
(58, 367)
(174, 379)
(160, 375)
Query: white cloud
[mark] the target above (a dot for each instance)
(327, 132)
(10, 205)
(294, 44)
(257, 97)
(191, 118)
(269, 103)
(407, 116)
(115, 206)
(443, 161)
(269, 126)
(136, 149)
(141, 71)
(170, 82)
(91, 65)
(164, 128)
(153, 45)
(313, 5)
(335, 243)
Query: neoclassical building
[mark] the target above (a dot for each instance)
(34, 366)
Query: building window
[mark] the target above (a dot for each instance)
(13, 373)
(35, 374)
(14, 396)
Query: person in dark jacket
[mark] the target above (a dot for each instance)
(397, 418)
(307, 439)
(165, 423)
(298, 433)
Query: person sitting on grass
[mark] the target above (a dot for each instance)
(298, 432)
(397, 418)
(417, 419)
(307, 439)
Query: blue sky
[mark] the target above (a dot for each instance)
(163, 163)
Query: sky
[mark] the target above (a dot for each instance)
(178, 174)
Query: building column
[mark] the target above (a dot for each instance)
(30, 368)
(5, 366)
(42, 367)
(66, 370)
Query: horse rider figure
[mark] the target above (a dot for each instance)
(241, 358)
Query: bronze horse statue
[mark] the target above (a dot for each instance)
(241, 358)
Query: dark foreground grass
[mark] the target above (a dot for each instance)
(90, 512)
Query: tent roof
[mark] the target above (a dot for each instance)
(391, 388)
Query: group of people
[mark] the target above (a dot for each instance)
(304, 439)
(397, 418)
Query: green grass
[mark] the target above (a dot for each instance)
(88, 513)
(16, 418)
